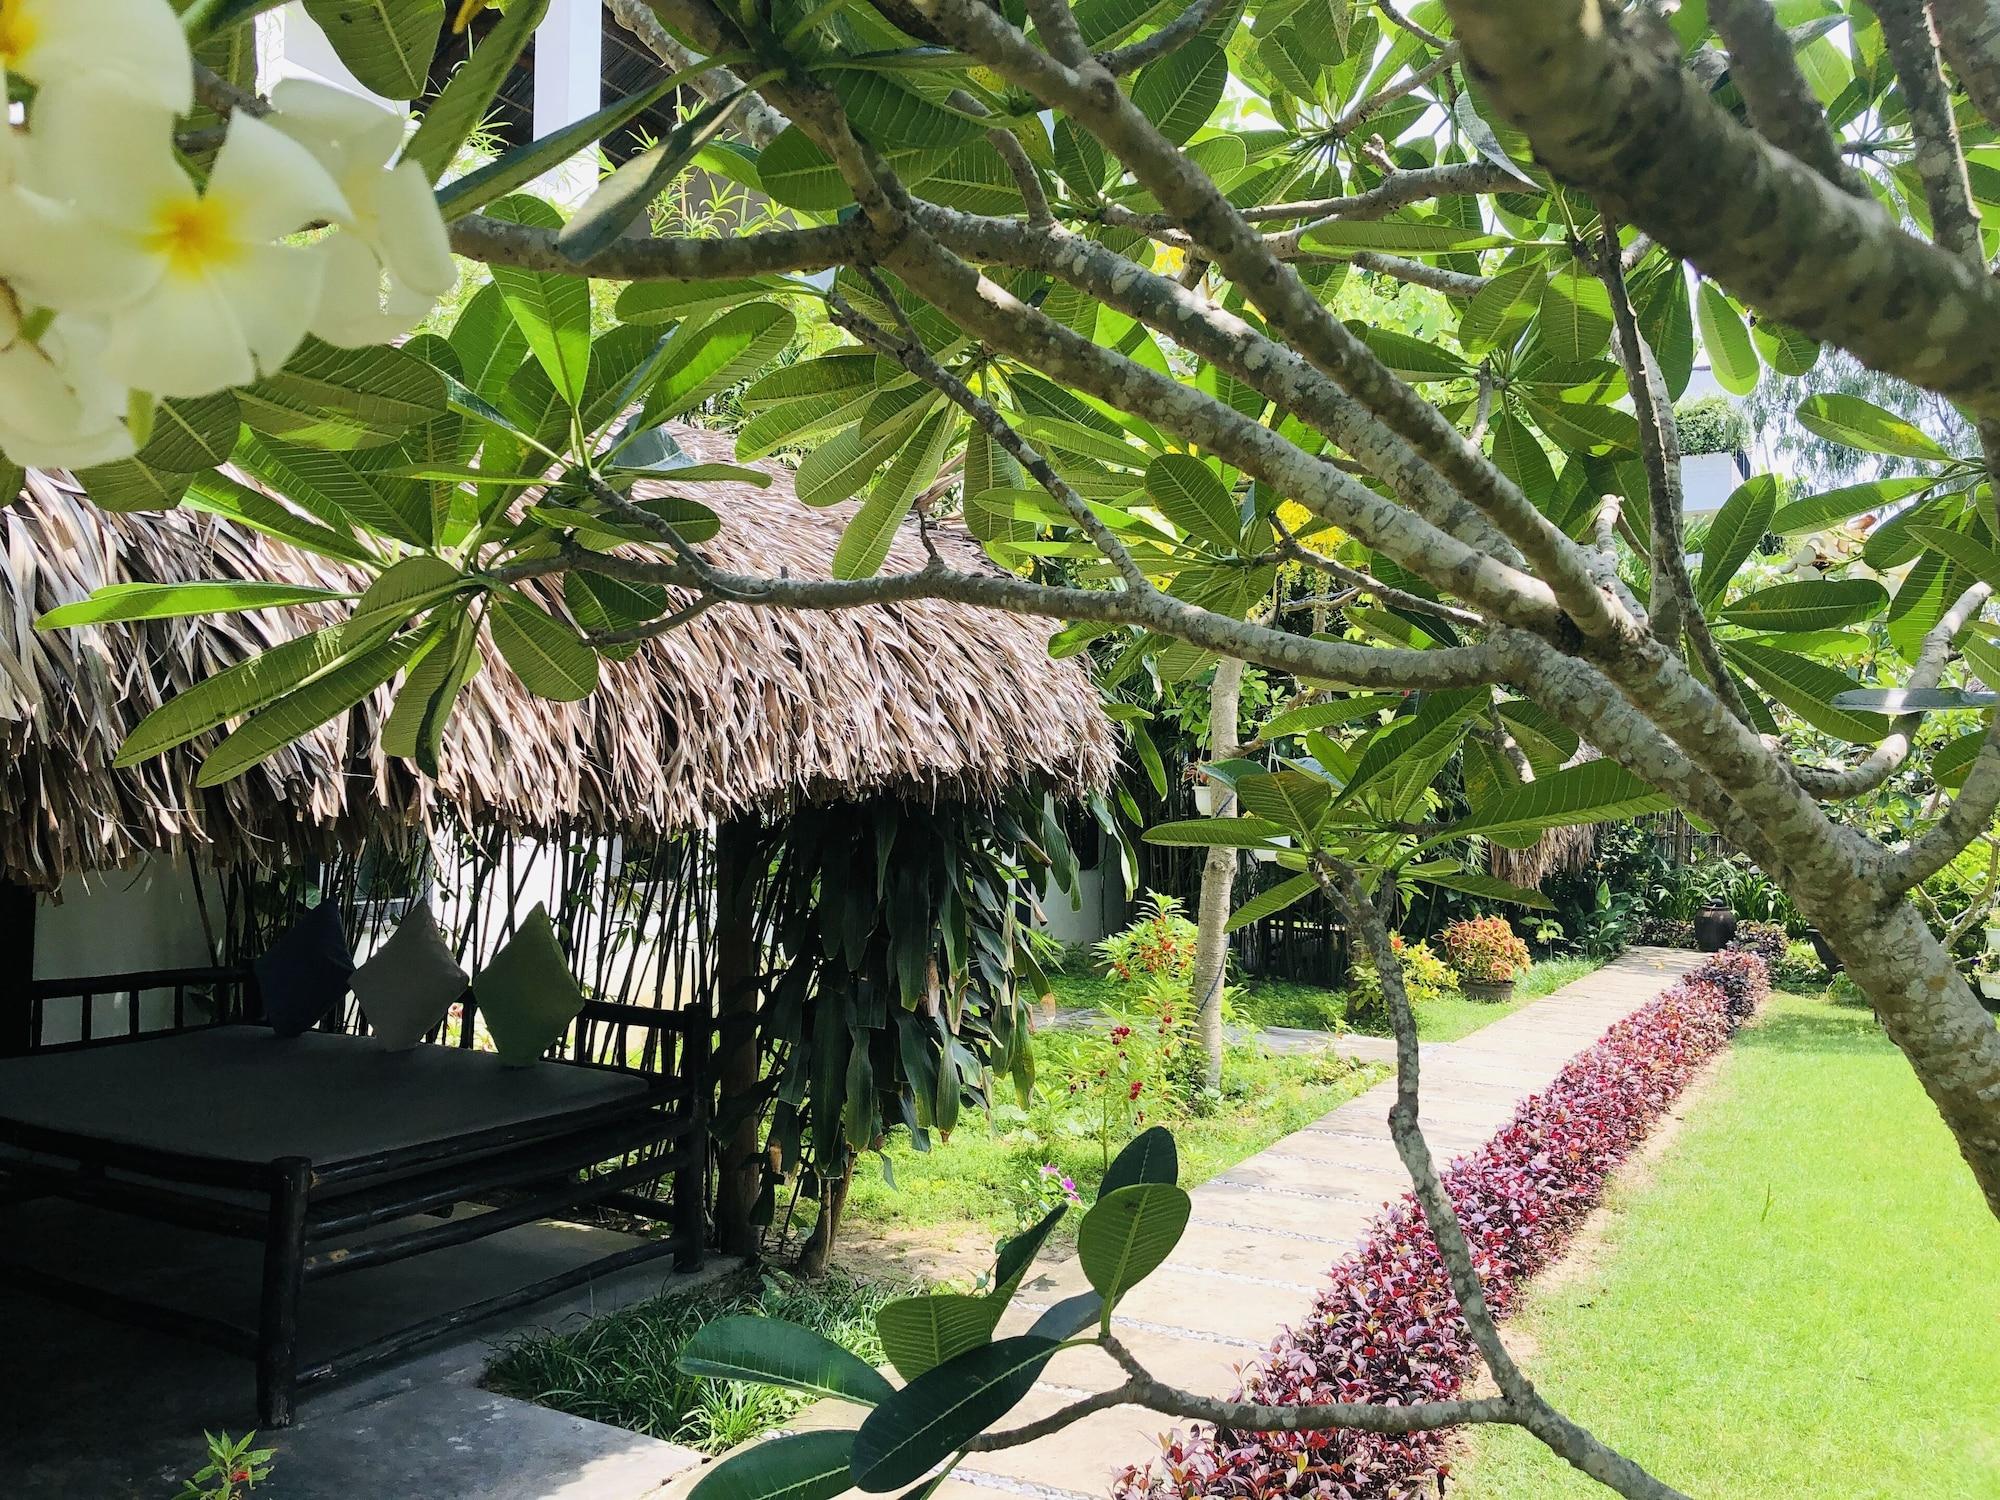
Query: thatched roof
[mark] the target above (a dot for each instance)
(739, 710)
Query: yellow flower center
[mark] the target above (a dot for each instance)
(18, 30)
(195, 235)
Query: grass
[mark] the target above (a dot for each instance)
(1799, 1298)
(620, 1368)
(1284, 1002)
(974, 1184)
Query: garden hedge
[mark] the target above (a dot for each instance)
(1388, 1329)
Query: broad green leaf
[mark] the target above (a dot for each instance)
(522, 165)
(1213, 833)
(920, 1333)
(126, 484)
(670, 301)
(1830, 507)
(172, 601)
(218, 494)
(415, 727)
(791, 1466)
(1727, 341)
(1150, 1156)
(1297, 801)
(1017, 1252)
(890, 116)
(241, 689)
(865, 543)
(1737, 528)
(1811, 604)
(937, 1413)
(717, 356)
(1521, 458)
(1855, 423)
(1180, 91)
(1974, 556)
(192, 433)
(1785, 349)
(333, 398)
(304, 709)
(553, 312)
(489, 343)
(1595, 792)
(335, 489)
(1486, 887)
(1401, 237)
(839, 467)
(412, 585)
(799, 175)
(463, 102)
(386, 44)
(630, 190)
(1190, 495)
(774, 1352)
(1576, 314)
(1323, 715)
(1272, 900)
(549, 658)
(1954, 759)
(1808, 689)
(1128, 1234)
(1498, 311)
(1411, 359)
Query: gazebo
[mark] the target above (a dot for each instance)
(644, 817)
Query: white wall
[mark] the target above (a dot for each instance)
(118, 922)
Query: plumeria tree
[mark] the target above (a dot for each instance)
(1089, 263)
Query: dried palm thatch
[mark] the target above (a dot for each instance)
(740, 710)
(1557, 851)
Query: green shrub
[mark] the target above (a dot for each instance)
(1714, 424)
(1425, 977)
(1798, 968)
(1160, 942)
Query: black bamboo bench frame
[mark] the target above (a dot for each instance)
(314, 1220)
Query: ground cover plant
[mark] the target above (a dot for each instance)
(1389, 1328)
(621, 1368)
(1762, 1374)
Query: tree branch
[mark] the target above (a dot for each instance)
(773, 252)
(1175, 34)
(1765, 69)
(761, 124)
(1939, 160)
(1969, 31)
(1603, 96)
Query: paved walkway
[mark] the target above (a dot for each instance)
(1264, 1233)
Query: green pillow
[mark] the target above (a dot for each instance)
(526, 993)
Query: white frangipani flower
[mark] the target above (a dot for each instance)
(57, 408)
(135, 47)
(198, 292)
(389, 264)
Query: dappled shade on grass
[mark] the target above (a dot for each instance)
(1800, 1299)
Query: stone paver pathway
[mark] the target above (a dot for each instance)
(1264, 1233)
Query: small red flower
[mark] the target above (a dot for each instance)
(1136, 1086)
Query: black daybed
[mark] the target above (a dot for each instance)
(336, 1155)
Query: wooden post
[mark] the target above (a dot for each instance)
(17, 969)
(284, 1272)
(739, 1173)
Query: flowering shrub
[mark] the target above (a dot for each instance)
(1160, 942)
(1765, 939)
(1388, 1329)
(122, 280)
(1040, 1191)
(1485, 949)
(1426, 977)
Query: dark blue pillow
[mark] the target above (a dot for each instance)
(306, 972)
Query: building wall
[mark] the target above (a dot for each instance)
(120, 922)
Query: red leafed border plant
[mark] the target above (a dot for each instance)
(1387, 1328)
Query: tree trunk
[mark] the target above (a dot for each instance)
(1218, 876)
(739, 1170)
(1930, 1013)
(818, 1248)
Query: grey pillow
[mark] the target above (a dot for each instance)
(409, 984)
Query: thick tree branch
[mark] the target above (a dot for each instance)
(1939, 160)
(1969, 32)
(1765, 69)
(1602, 94)
(760, 123)
(773, 252)
(1175, 34)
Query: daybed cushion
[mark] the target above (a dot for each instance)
(226, 1092)
(305, 973)
(409, 983)
(526, 993)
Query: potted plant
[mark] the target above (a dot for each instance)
(1487, 954)
(1993, 935)
(1986, 972)
(1712, 433)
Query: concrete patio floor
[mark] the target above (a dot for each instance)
(97, 1410)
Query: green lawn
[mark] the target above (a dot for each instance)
(1801, 1299)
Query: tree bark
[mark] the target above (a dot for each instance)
(1218, 876)
(817, 1251)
